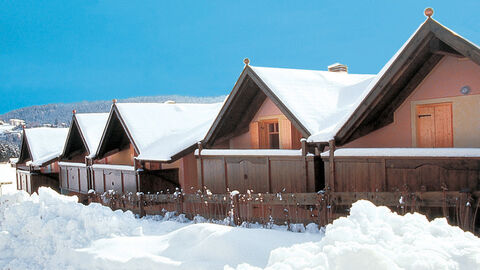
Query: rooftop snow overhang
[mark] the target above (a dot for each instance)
(241, 105)
(404, 72)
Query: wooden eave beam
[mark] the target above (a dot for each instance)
(411, 50)
(456, 42)
(108, 130)
(439, 47)
(246, 104)
(226, 108)
(449, 43)
(386, 115)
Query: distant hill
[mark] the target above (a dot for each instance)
(58, 113)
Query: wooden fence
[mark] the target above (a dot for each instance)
(292, 208)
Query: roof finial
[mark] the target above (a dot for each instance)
(246, 61)
(74, 111)
(428, 12)
(114, 100)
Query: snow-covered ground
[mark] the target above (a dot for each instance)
(7, 174)
(51, 231)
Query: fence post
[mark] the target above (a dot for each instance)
(91, 197)
(331, 149)
(141, 203)
(236, 209)
(202, 180)
(180, 203)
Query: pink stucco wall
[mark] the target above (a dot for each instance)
(444, 82)
(267, 109)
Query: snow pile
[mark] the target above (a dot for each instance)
(37, 231)
(51, 231)
(375, 238)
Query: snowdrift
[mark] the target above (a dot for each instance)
(51, 231)
(375, 238)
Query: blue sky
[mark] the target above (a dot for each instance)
(68, 51)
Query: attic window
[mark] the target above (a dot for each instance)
(273, 135)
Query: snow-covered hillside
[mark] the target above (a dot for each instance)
(51, 231)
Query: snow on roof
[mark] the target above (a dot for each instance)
(318, 99)
(45, 143)
(326, 135)
(405, 152)
(91, 126)
(162, 130)
(249, 152)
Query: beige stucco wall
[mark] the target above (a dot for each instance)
(268, 110)
(443, 84)
(124, 157)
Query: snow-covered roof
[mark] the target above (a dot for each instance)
(91, 126)
(318, 99)
(323, 136)
(161, 131)
(405, 152)
(45, 143)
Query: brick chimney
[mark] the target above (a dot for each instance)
(337, 67)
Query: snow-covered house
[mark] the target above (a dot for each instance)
(148, 147)
(37, 164)
(80, 147)
(255, 141)
(417, 126)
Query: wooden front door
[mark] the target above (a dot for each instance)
(434, 125)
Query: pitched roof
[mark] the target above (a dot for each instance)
(43, 144)
(313, 100)
(87, 129)
(91, 126)
(399, 77)
(160, 131)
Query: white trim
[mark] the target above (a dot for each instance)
(72, 164)
(113, 167)
(405, 152)
(249, 152)
(23, 171)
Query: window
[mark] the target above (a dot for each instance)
(274, 133)
(273, 136)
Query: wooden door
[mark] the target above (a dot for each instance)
(434, 125)
(258, 135)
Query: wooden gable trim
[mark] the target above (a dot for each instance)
(74, 123)
(22, 158)
(248, 73)
(114, 111)
(263, 86)
(432, 41)
(212, 132)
